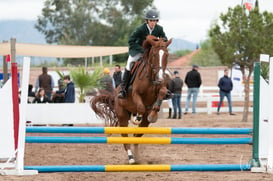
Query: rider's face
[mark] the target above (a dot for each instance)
(152, 23)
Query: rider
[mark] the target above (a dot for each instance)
(150, 27)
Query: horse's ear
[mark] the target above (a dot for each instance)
(169, 42)
(146, 44)
(151, 39)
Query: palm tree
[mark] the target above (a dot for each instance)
(85, 80)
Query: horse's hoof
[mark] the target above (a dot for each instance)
(152, 119)
(132, 161)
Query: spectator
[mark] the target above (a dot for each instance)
(176, 88)
(69, 91)
(31, 94)
(193, 81)
(59, 98)
(117, 76)
(225, 84)
(107, 82)
(46, 82)
(41, 97)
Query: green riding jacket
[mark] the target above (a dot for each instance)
(139, 35)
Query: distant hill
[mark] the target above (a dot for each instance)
(24, 31)
(178, 44)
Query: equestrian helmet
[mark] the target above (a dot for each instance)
(151, 15)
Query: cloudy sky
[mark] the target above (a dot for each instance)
(185, 19)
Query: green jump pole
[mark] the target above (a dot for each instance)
(255, 162)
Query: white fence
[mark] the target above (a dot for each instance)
(210, 96)
(210, 101)
(61, 113)
(81, 113)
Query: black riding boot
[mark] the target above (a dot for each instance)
(123, 85)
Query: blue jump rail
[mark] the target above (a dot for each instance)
(149, 130)
(138, 168)
(137, 140)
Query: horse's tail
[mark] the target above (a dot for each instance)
(103, 106)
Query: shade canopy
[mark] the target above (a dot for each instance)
(61, 51)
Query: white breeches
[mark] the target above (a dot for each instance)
(131, 60)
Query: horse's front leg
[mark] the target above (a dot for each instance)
(127, 147)
(153, 116)
(144, 123)
(140, 108)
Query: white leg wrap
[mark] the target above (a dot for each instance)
(131, 157)
(129, 152)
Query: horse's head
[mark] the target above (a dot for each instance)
(158, 56)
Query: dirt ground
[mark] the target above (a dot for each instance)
(102, 154)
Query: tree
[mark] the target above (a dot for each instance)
(96, 22)
(206, 56)
(241, 38)
(85, 22)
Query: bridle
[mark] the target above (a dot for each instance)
(157, 62)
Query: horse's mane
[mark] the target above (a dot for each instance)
(146, 45)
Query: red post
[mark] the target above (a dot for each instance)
(15, 100)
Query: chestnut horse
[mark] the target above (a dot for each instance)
(144, 96)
